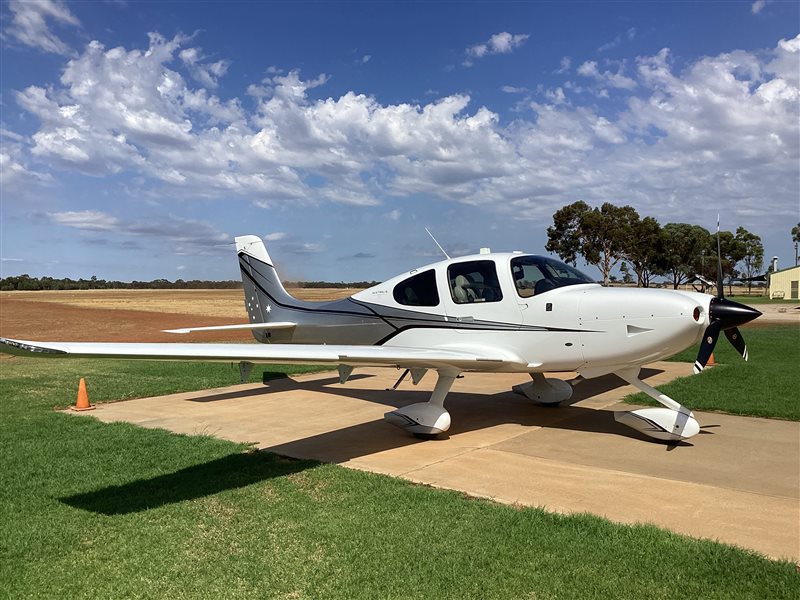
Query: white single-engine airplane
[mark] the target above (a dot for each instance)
(502, 312)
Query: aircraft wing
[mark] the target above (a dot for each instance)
(464, 359)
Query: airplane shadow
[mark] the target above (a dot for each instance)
(273, 384)
(470, 412)
(226, 473)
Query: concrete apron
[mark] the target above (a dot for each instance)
(737, 482)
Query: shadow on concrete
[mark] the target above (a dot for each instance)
(469, 412)
(276, 384)
(587, 388)
(230, 472)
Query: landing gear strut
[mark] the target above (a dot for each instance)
(670, 424)
(426, 419)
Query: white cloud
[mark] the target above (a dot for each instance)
(614, 80)
(722, 130)
(564, 65)
(275, 236)
(365, 59)
(206, 74)
(617, 41)
(187, 236)
(87, 220)
(394, 215)
(758, 6)
(11, 135)
(556, 96)
(29, 24)
(499, 43)
(15, 176)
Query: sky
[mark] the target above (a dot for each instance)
(138, 138)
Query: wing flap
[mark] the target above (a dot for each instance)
(466, 359)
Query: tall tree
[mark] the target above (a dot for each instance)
(565, 236)
(731, 251)
(753, 254)
(682, 251)
(796, 234)
(597, 234)
(644, 250)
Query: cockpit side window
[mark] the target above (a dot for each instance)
(417, 290)
(474, 281)
(526, 276)
(535, 275)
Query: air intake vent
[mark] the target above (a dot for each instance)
(634, 330)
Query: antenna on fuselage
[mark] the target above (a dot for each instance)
(437, 243)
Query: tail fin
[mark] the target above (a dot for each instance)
(265, 298)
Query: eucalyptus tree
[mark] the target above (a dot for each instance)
(752, 254)
(732, 250)
(684, 245)
(644, 248)
(599, 235)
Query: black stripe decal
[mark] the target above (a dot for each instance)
(431, 323)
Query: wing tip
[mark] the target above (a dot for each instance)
(24, 348)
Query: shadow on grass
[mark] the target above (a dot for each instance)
(230, 472)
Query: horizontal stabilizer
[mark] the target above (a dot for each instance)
(274, 325)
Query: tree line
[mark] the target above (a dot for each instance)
(28, 283)
(610, 235)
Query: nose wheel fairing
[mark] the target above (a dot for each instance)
(544, 390)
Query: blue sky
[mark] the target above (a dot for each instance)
(139, 137)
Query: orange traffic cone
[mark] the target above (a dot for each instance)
(711, 362)
(83, 398)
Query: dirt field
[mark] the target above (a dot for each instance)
(140, 315)
(131, 315)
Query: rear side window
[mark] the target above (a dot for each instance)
(474, 281)
(418, 290)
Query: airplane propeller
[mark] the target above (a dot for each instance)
(724, 315)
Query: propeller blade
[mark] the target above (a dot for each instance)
(735, 338)
(720, 288)
(710, 337)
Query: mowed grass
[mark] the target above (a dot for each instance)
(93, 510)
(762, 300)
(764, 386)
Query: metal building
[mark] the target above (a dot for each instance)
(784, 283)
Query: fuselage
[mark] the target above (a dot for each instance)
(545, 315)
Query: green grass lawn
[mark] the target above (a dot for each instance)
(93, 510)
(765, 386)
(761, 300)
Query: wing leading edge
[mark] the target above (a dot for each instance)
(463, 359)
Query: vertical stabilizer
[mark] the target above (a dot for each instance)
(265, 298)
(253, 246)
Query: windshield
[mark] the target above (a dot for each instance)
(537, 274)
